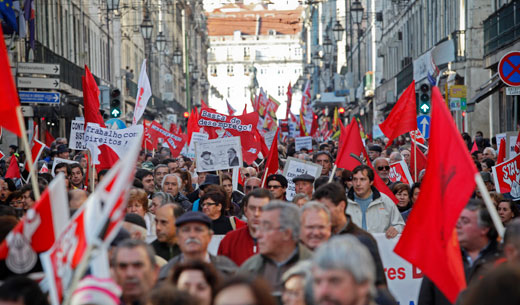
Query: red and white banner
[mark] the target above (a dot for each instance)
(507, 177)
(144, 92)
(2, 155)
(119, 140)
(176, 142)
(36, 151)
(38, 230)
(399, 172)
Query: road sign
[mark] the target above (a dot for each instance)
(423, 122)
(38, 68)
(512, 90)
(38, 83)
(509, 69)
(39, 97)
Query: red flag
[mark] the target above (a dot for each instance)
(13, 171)
(203, 104)
(272, 165)
(230, 109)
(429, 241)
(314, 126)
(48, 138)
(147, 137)
(263, 147)
(193, 125)
(38, 230)
(36, 151)
(289, 100)
(421, 161)
(474, 148)
(8, 93)
(45, 169)
(245, 109)
(517, 144)
(174, 141)
(501, 151)
(403, 117)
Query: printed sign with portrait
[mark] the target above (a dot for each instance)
(218, 154)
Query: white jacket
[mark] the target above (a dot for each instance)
(382, 213)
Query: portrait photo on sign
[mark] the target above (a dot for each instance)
(217, 154)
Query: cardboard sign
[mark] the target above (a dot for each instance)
(399, 172)
(303, 142)
(224, 153)
(295, 167)
(403, 279)
(120, 141)
(57, 161)
(507, 177)
(77, 133)
(196, 137)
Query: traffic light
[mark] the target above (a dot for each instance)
(115, 103)
(424, 99)
(186, 114)
(341, 110)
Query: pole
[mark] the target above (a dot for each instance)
(415, 158)
(29, 159)
(489, 205)
(108, 47)
(91, 172)
(332, 173)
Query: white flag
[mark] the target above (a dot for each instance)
(144, 92)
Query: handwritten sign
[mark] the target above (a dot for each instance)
(295, 167)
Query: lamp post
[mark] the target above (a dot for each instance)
(146, 31)
(338, 30)
(112, 5)
(356, 10)
(177, 56)
(160, 42)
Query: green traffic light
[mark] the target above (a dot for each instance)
(425, 107)
(115, 112)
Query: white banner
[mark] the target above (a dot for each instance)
(57, 161)
(77, 132)
(217, 154)
(196, 137)
(119, 140)
(403, 279)
(303, 142)
(295, 167)
(268, 138)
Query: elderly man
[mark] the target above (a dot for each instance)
(405, 153)
(251, 184)
(371, 210)
(171, 184)
(316, 226)
(277, 185)
(343, 273)
(382, 167)
(241, 244)
(304, 184)
(193, 236)
(395, 157)
(374, 152)
(278, 236)
(489, 153)
(323, 158)
(135, 270)
(166, 243)
(158, 174)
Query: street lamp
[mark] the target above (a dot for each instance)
(327, 46)
(177, 56)
(112, 5)
(312, 68)
(357, 11)
(338, 30)
(160, 42)
(195, 73)
(316, 58)
(146, 27)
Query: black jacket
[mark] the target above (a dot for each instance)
(165, 250)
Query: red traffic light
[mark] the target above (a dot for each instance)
(186, 114)
(341, 110)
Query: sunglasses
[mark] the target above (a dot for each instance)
(249, 187)
(274, 187)
(386, 168)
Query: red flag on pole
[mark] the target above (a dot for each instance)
(13, 171)
(36, 151)
(517, 144)
(193, 126)
(272, 165)
(203, 104)
(403, 117)
(502, 151)
(421, 161)
(429, 241)
(8, 93)
(474, 148)
(48, 138)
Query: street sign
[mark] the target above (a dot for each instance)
(509, 69)
(38, 83)
(423, 123)
(512, 90)
(38, 68)
(39, 97)
(27, 111)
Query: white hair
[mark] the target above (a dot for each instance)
(179, 181)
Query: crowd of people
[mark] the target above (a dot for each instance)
(316, 248)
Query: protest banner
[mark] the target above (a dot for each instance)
(118, 140)
(507, 177)
(196, 137)
(217, 154)
(2, 155)
(303, 142)
(403, 279)
(174, 142)
(77, 132)
(58, 161)
(295, 167)
(399, 172)
(219, 125)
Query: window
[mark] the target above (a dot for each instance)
(281, 90)
(229, 54)
(230, 70)
(247, 53)
(298, 51)
(229, 92)
(213, 70)
(246, 70)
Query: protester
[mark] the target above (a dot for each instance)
(158, 174)
(234, 196)
(77, 179)
(294, 281)
(323, 158)
(251, 184)
(159, 199)
(374, 152)
(166, 245)
(382, 168)
(186, 186)
(21, 291)
(138, 204)
(147, 180)
(214, 204)
(171, 184)
(507, 211)
(304, 184)
(277, 185)
(315, 227)
(402, 192)
(300, 199)
(198, 278)
(244, 290)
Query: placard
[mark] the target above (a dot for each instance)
(268, 138)
(195, 138)
(120, 140)
(399, 172)
(507, 177)
(303, 142)
(57, 161)
(77, 133)
(217, 154)
(295, 167)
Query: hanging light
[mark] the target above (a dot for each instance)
(357, 11)
(160, 42)
(327, 46)
(146, 27)
(338, 30)
(177, 56)
(112, 5)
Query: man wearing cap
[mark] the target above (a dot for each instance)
(193, 236)
(166, 243)
(323, 158)
(63, 151)
(374, 151)
(382, 168)
(206, 163)
(277, 185)
(304, 184)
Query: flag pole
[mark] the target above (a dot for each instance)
(28, 153)
(332, 173)
(415, 157)
(91, 172)
(489, 205)
(265, 176)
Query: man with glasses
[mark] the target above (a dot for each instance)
(374, 152)
(277, 185)
(241, 244)
(251, 184)
(323, 158)
(382, 167)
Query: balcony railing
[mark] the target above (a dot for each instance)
(502, 27)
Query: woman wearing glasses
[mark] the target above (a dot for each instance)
(214, 203)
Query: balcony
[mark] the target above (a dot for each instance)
(502, 27)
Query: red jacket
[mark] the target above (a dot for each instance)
(238, 245)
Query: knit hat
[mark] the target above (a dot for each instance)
(96, 291)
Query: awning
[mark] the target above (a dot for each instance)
(488, 88)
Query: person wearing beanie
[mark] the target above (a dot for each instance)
(277, 185)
